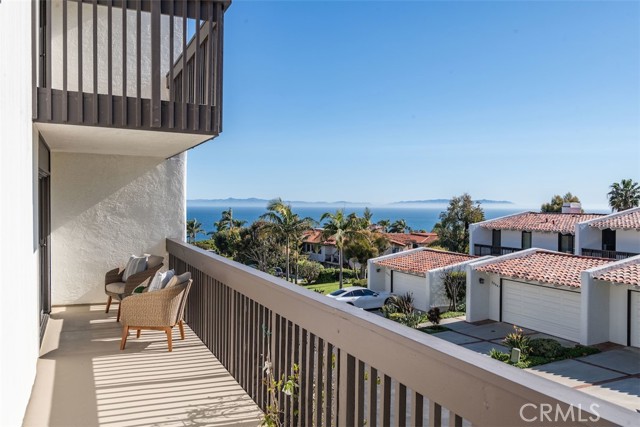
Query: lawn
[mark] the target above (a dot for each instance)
(324, 287)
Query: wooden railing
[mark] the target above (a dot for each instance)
(357, 368)
(601, 253)
(120, 63)
(483, 250)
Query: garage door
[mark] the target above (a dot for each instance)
(416, 285)
(552, 311)
(634, 318)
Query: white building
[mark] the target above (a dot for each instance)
(581, 299)
(418, 272)
(93, 132)
(614, 236)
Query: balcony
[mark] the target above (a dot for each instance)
(601, 253)
(483, 250)
(132, 64)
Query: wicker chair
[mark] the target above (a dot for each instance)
(116, 288)
(158, 310)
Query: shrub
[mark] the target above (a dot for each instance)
(329, 275)
(517, 339)
(411, 320)
(309, 270)
(433, 315)
(359, 282)
(399, 304)
(455, 285)
(498, 355)
(205, 244)
(545, 347)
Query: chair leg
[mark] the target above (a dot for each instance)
(125, 334)
(138, 333)
(169, 343)
(119, 305)
(108, 304)
(181, 326)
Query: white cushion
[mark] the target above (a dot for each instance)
(160, 280)
(135, 265)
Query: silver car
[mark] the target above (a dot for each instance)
(361, 297)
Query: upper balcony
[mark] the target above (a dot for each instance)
(125, 69)
(602, 253)
(483, 250)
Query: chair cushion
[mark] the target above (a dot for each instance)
(115, 287)
(135, 265)
(160, 280)
(154, 261)
(178, 280)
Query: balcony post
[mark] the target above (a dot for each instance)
(156, 113)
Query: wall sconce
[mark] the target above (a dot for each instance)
(481, 280)
(377, 270)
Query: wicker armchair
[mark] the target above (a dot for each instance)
(116, 288)
(158, 310)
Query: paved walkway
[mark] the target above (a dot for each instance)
(83, 379)
(613, 374)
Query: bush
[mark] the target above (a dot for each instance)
(517, 339)
(455, 285)
(205, 244)
(359, 282)
(498, 355)
(329, 275)
(545, 347)
(309, 270)
(434, 315)
(399, 304)
(411, 320)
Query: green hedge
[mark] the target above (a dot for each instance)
(329, 275)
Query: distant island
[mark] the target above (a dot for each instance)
(252, 201)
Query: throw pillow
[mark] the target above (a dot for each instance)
(140, 289)
(160, 280)
(135, 265)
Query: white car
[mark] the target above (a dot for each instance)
(361, 297)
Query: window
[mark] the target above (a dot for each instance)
(565, 243)
(526, 239)
(338, 292)
(608, 240)
(368, 292)
(496, 238)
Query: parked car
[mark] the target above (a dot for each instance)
(361, 297)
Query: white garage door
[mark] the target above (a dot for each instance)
(416, 285)
(552, 311)
(634, 317)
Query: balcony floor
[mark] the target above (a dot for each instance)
(83, 379)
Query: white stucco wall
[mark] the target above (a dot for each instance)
(587, 237)
(618, 295)
(628, 241)
(19, 317)
(105, 208)
(478, 236)
(477, 295)
(595, 312)
(544, 240)
(87, 53)
(376, 279)
(511, 238)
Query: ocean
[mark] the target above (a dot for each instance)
(418, 218)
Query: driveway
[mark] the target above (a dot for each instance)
(613, 374)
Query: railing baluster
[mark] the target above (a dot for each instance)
(172, 83)
(454, 420)
(80, 73)
(319, 382)
(110, 63)
(156, 102)
(386, 400)
(125, 120)
(360, 392)
(196, 71)
(417, 411)
(307, 404)
(65, 93)
(400, 407)
(210, 65)
(94, 27)
(48, 55)
(138, 63)
(328, 387)
(183, 104)
(435, 414)
(373, 397)
(346, 389)
(219, 53)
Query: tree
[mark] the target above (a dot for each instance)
(399, 226)
(384, 224)
(260, 247)
(193, 229)
(227, 222)
(309, 270)
(624, 195)
(368, 244)
(367, 216)
(557, 201)
(227, 242)
(341, 228)
(453, 228)
(286, 225)
(455, 285)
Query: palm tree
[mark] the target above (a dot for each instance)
(289, 227)
(624, 195)
(399, 226)
(193, 229)
(227, 222)
(341, 228)
(385, 224)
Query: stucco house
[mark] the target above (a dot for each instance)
(512, 233)
(399, 242)
(418, 272)
(614, 236)
(581, 299)
(318, 248)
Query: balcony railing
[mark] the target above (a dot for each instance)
(483, 250)
(121, 63)
(348, 375)
(601, 253)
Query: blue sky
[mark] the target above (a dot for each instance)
(385, 101)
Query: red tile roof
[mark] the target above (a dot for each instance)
(625, 221)
(627, 273)
(405, 239)
(315, 236)
(538, 221)
(547, 267)
(419, 262)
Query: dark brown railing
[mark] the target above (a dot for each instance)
(484, 250)
(121, 63)
(601, 253)
(357, 368)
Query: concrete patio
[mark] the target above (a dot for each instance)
(83, 379)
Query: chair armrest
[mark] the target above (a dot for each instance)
(114, 275)
(142, 278)
(155, 309)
